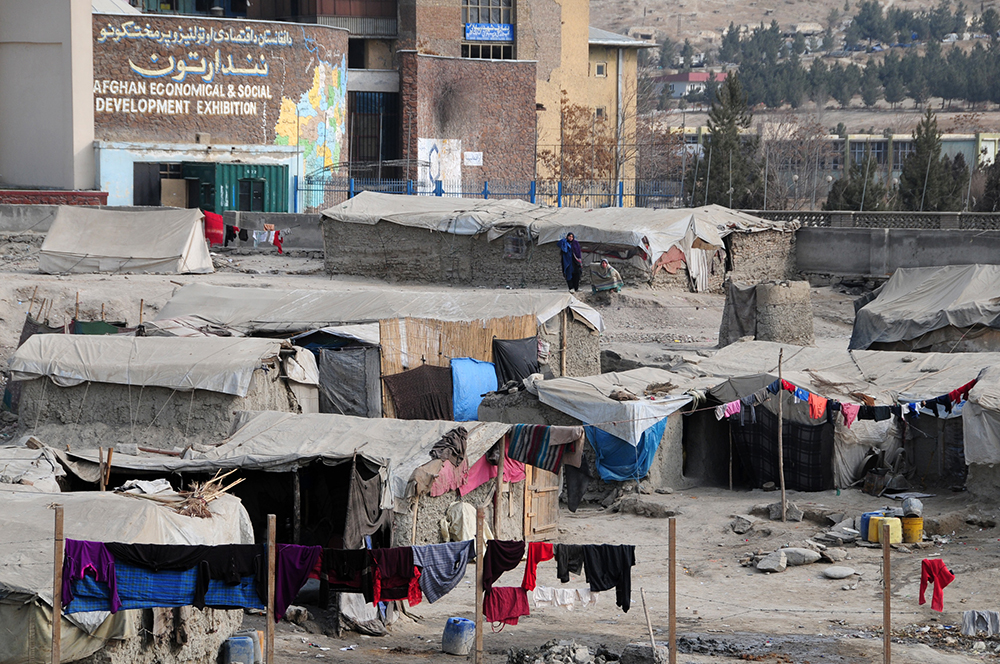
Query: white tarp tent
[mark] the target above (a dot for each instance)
(272, 310)
(931, 307)
(652, 231)
(217, 364)
(26, 566)
(587, 400)
(161, 240)
(276, 442)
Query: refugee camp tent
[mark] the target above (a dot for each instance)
(646, 238)
(160, 240)
(363, 336)
(937, 309)
(101, 390)
(274, 442)
(887, 378)
(26, 568)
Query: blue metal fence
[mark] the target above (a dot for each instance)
(317, 193)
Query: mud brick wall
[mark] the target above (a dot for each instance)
(488, 104)
(34, 197)
(763, 256)
(167, 79)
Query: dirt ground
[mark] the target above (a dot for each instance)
(725, 612)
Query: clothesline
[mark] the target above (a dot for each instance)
(821, 407)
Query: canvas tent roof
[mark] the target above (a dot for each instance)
(273, 441)
(217, 364)
(161, 240)
(26, 545)
(887, 376)
(274, 310)
(919, 300)
(654, 231)
(587, 400)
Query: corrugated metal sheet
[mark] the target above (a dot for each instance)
(275, 177)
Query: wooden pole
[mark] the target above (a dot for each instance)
(413, 526)
(730, 457)
(672, 591)
(100, 457)
(76, 312)
(649, 624)
(102, 311)
(142, 303)
(107, 468)
(269, 628)
(57, 574)
(31, 303)
(480, 553)
(562, 344)
(781, 441)
(296, 507)
(886, 599)
(497, 496)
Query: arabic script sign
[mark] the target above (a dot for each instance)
(491, 32)
(165, 79)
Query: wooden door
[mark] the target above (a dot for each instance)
(541, 502)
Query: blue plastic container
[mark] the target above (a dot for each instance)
(865, 518)
(459, 636)
(237, 649)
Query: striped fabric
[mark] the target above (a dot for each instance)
(529, 443)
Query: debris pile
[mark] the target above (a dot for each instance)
(562, 652)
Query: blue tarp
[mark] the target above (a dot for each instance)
(617, 460)
(470, 379)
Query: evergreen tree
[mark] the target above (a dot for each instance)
(989, 22)
(687, 54)
(799, 44)
(892, 80)
(667, 52)
(930, 182)
(730, 50)
(990, 201)
(871, 89)
(819, 81)
(861, 183)
(727, 119)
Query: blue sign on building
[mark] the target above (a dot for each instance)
(489, 32)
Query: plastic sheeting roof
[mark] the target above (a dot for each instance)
(161, 240)
(887, 376)
(587, 400)
(217, 364)
(274, 310)
(919, 300)
(273, 441)
(655, 231)
(26, 530)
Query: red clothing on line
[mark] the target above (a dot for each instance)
(962, 393)
(785, 385)
(934, 570)
(817, 406)
(505, 604)
(537, 552)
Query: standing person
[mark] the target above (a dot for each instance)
(572, 261)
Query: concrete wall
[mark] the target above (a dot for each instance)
(762, 256)
(304, 231)
(851, 252)
(46, 104)
(102, 415)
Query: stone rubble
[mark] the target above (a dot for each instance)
(563, 652)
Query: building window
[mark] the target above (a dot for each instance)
(601, 69)
(900, 151)
(356, 54)
(600, 112)
(879, 151)
(251, 196)
(374, 122)
(488, 51)
(487, 11)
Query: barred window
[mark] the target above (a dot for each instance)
(488, 51)
(487, 11)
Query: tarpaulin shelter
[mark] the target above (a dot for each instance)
(642, 237)
(887, 378)
(269, 442)
(108, 389)
(26, 567)
(160, 240)
(941, 309)
(407, 328)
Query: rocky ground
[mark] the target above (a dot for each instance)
(725, 611)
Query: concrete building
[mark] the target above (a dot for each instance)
(682, 85)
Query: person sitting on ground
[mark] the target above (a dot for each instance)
(572, 261)
(603, 277)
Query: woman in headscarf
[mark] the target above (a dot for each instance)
(572, 261)
(603, 277)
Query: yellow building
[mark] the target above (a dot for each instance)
(592, 80)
